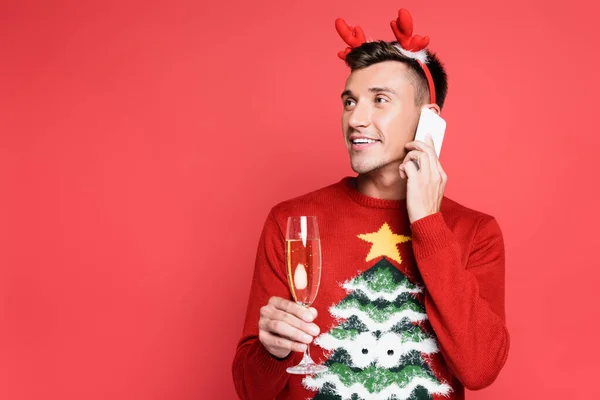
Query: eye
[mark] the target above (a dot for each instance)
(381, 98)
(349, 102)
(389, 350)
(364, 350)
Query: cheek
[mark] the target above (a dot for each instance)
(389, 124)
(395, 126)
(344, 120)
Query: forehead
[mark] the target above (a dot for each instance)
(392, 74)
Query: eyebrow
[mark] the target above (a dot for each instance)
(375, 89)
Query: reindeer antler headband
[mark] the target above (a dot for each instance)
(413, 47)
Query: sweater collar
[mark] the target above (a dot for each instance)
(348, 185)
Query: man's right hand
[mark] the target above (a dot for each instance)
(285, 326)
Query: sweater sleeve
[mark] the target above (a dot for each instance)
(465, 303)
(256, 373)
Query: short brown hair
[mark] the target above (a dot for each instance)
(370, 53)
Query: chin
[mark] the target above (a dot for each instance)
(364, 168)
(368, 165)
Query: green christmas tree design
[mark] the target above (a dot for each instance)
(378, 351)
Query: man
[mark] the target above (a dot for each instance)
(411, 302)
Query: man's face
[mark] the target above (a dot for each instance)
(379, 106)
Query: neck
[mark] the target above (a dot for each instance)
(380, 184)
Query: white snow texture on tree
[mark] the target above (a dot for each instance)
(377, 351)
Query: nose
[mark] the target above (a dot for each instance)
(360, 116)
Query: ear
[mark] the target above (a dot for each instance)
(434, 107)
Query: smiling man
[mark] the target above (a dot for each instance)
(411, 303)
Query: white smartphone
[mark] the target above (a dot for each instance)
(432, 124)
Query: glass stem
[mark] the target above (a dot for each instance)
(306, 359)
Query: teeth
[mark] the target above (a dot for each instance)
(357, 141)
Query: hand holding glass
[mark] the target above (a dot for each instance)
(303, 254)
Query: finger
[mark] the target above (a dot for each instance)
(293, 321)
(421, 158)
(435, 162)
(270, 340)
(411, 170)
(429, 141)
(307, 314)
(283, 329)
(401, 171)
(418, 145)
(411, 156)
(443, 174)
(426, 148)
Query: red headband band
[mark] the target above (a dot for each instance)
(411, 46)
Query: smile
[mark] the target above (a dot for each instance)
(363, 141)
(362, 144)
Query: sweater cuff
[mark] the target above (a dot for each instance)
(270, 365)
(429, 234)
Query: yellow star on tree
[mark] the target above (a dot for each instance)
(384, 243)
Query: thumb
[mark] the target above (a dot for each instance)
(429, 140)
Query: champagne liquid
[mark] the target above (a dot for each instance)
(304, 269)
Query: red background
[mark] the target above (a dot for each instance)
(143, 143)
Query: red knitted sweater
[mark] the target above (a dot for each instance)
(411, 311)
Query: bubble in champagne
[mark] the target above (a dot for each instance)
(300, 278)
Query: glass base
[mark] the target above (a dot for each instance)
(307, 366)
(306, 369)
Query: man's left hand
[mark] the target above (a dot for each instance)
(425, 186)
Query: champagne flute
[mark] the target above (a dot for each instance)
(303, 253)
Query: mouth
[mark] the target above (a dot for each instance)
(358, 144)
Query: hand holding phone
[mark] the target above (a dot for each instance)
(432, 124)
(425, 190)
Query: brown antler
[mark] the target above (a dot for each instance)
(353, 37)
(403, 30)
